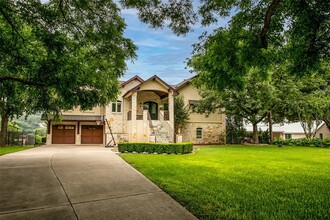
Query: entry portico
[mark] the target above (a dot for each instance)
(147, 106)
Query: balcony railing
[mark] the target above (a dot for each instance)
(138, 116)
(166, 116)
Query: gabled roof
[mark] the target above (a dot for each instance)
(323, 125)
(184, 82)
(136, 77)
(153, 78)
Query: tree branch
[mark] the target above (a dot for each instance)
(268, 17)
(23, 81)
(11, 24)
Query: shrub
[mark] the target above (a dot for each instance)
(159, 148)
(179, 148)
(38, 139)
(304, 142)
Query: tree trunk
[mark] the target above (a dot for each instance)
(270, 127)
(3, 131)
(255, 134)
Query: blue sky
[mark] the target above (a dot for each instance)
(160, 52)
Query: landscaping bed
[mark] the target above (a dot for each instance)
(244, 182)
(160, 148)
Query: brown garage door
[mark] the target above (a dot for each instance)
(92, 134)
(63, 134)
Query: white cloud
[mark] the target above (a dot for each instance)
(150, 43)
(130, 11)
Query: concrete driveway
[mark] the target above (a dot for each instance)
(79, 182)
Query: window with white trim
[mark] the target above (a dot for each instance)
(116, 106)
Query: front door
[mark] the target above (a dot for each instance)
(153, 109)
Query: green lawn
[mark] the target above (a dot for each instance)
(12, 149)
(244, 182)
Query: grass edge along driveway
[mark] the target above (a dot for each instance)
(13, 149)
(244, 182)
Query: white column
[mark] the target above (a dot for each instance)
(161, 116)
(134, 109)
(146, 128)
(171, 108)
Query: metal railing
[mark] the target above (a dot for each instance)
(138, 116)
(166, 115)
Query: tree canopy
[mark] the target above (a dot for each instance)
(59, 54)
(251, 103)
(260, 33)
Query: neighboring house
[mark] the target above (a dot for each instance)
(323, 131)
(291, 130)
(143, 112)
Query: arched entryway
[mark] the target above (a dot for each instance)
(152, 107)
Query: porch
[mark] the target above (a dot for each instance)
(149, 112)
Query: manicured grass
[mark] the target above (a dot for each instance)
(12, 149)
(244, 182)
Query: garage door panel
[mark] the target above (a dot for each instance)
(92, 134)
(63, 134)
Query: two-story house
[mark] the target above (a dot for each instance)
(143, 112)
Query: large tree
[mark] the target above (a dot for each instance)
(252, 103)
(306, 100)
(59, 54)
(300, 28)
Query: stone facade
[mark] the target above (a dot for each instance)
(213, 126)
(212, 133)
(132, 122)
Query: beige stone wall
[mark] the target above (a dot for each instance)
(323, 130)
(118, 120)
(77, 111)
(214, 126)
(212, 133)
(296, 135)
(191, 93)
(142, 134)
(119, 138)
(154, 85)
(129, 86)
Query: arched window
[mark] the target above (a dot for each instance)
(199, 132)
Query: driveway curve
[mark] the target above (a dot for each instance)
(79, 182)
